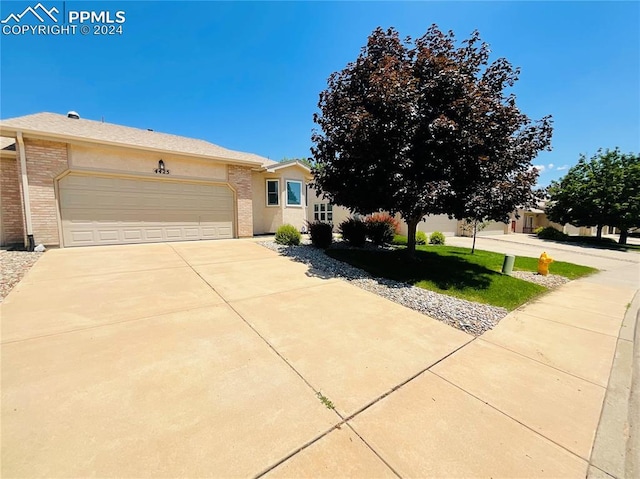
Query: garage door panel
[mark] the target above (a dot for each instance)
(110, 210)
(192, 233)
(215, 231)
(108, 235)
(83, 237)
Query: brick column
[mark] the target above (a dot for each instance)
(11, 210)
(45, 161)
(240, 180)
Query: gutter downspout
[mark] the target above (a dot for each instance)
(25, 192)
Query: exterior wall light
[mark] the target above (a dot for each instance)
(161, 170)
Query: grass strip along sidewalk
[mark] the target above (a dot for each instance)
(456, 272)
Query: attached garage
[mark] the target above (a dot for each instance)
(104, 210)
(433, 223)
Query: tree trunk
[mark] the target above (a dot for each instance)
(475, 232)
(412, 225)
(623, 236)
(599, 232)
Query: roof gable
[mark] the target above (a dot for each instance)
(287, 164)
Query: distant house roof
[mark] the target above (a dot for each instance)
(61, 126)
(275, 165)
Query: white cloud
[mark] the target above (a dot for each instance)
(550, 166)
(540, 168)
(562, 168)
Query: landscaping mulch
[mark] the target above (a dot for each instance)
(13, 266)
(467, 316)
(470, 317)
(549, 281)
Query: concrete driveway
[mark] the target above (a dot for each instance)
(211, 359)
(195, 359)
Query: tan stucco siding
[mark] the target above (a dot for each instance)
(339, 212)
(267, 219)
(121, 160)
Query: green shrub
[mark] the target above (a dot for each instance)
(421, 237)
(551, 233)
(353, 231)
(381, 228)
(288, 235)
(538, 230)
(436, 238)
(399, 240)
(321, 234)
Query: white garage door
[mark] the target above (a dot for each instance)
(100, 210)
(440, 223)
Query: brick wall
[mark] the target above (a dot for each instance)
(240, 179)
(45, 161)
(11, 212)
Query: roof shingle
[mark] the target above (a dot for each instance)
(95, 131)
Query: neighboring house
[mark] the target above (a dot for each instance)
(531, 219)
(68, 181)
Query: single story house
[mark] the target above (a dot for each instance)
(531, 219)
(68, 181)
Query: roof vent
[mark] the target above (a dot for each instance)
(73, 114)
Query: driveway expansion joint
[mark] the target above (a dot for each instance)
(488, 340)
(112, 323)
(510, 417)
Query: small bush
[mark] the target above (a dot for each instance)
(436, 238)
(421, 237)
(538, 230)
(353, 231)
(321, 234)
(288, 235)
(551, 233)
(399, 240)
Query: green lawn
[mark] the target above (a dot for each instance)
(456, 272)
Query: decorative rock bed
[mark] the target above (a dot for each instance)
(13, 266)
(470, 317)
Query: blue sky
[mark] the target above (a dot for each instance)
(247, 75)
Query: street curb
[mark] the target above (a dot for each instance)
(617, 437)
(632, 465)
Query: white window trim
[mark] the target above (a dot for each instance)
(266, 187)
(318, 211)
(286, 195)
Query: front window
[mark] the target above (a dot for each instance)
(273, 197)
(294, 193)
(323, 212)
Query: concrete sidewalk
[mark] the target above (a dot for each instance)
(217, 359)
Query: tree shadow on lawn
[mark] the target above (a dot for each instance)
(445, 272)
